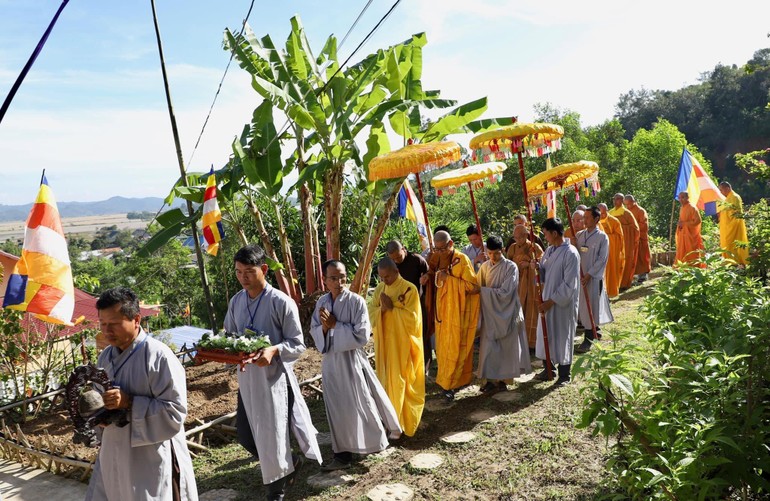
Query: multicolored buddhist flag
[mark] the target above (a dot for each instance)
(410, 208)
(213, 231)
(41, 282)
(693, 179)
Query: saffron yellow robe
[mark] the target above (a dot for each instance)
(643, 254)
(630, 242)
(457, 314)
(528, 297)
(689, 243)
(732, 228)
(398, 350)
(616, 261)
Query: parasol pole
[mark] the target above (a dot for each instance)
(547, 363)
(585, 289)
(424, 210)
(475, 212)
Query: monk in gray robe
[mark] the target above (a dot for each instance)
(559, 270)
(594, 247)
(361, 416)
(504, 351)
(270, 399)
(147, 459)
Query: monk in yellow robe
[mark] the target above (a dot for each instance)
(689, 243)
(457, 313)
(521, 253)
(614, 270)
(643, 253)
(630, 239)
(395, 315)
(732, 227)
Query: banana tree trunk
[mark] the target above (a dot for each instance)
(333, 208)
(306, 209)
(364, 271)
(280, 277)
(288, 260)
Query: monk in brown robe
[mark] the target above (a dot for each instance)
(614, 270)
(578, 224)
(520, 252)
(643, 253)
(689, 243)
(630, 239)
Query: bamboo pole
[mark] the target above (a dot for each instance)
(476, 214)
(183, 173)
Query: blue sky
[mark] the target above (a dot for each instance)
(92, 109)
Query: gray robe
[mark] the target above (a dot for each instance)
(504, 351)
(264, 390)
(594, 251)
(472, 252)
(135, 462)
(361, 416)
(561, 284)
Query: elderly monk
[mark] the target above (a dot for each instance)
(521, 219)
(643, 252)
(522, 252)
(614, 271)
(732, 227)
(361, 417)
(689, 243)
(503, 354)
(457, 312)
(396, 319)
(577, 224)
(561, 274)
(147, 459)
(630, 239)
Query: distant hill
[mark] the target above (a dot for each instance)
(114, 205)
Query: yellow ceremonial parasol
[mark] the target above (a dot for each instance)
(571, 176)
(576, 175)
(414, 159)
(532, 140)
(473, 176)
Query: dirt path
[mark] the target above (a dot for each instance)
(528, 449)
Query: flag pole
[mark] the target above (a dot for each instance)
(183, 173)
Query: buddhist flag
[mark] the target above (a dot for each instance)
(212, 217)
(698, 185)
(41, 282)
(410, 208)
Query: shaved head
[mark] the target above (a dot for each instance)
(387, 264)
(629, 198)
(442, 237)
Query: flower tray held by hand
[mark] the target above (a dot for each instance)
(225, 357)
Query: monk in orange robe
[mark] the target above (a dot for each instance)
(643, 254)
(689, 243)
(614, 270)
(520, 252)
(630, 239)
(578, 223)
(457, 313)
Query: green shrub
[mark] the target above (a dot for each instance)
(689, 403)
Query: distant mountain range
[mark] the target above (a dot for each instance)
(114, 205)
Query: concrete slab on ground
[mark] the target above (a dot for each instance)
(19, 483)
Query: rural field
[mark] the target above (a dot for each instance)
(81, 226)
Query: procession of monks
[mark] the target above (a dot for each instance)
(505, 301)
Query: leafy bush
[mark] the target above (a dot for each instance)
(758, 226)
(690, 410)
